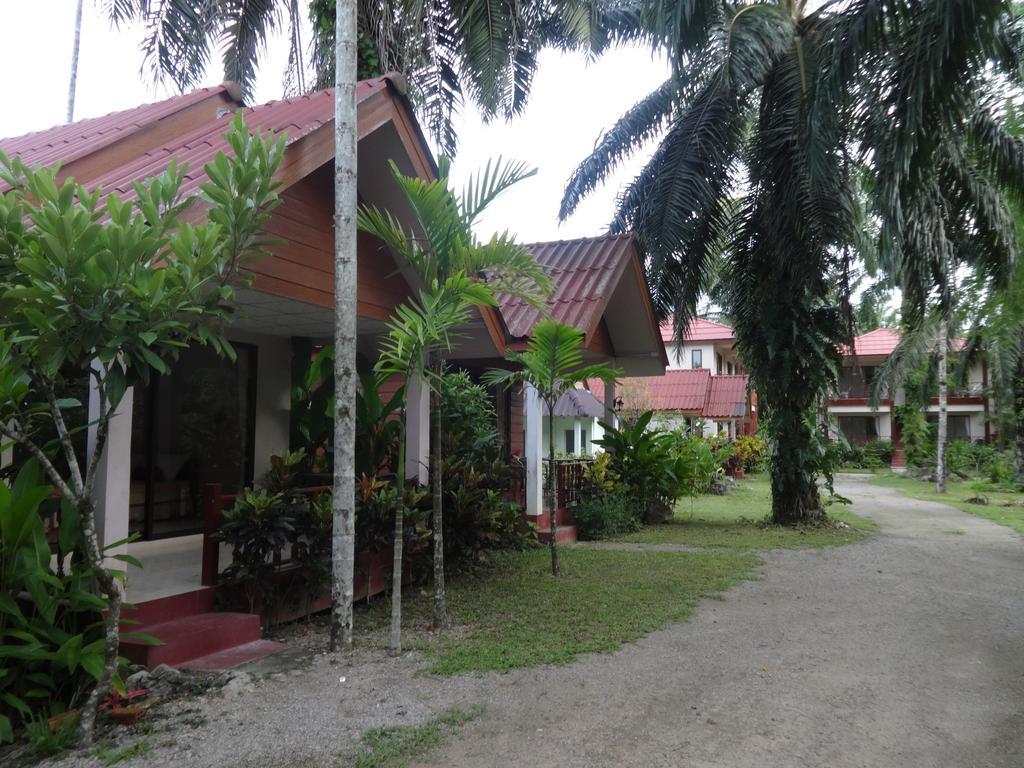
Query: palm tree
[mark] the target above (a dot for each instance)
(343, 542)
(789, 109)
(447, 51)
(75, 46)
(997, 333)
(552, 364)
(439, 244)
(419, 328)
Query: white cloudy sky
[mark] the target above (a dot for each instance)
(571, 103)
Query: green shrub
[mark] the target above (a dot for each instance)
(51, 644)
(600, 517)
(751, 452)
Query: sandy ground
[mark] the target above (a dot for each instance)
(904, 651)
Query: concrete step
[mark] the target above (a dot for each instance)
(566, 534)
(232, 657)
(192, 637)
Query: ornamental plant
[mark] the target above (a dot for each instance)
(112, 288)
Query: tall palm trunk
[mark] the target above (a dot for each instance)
(940, 447)
(345, 200)
(73, 82)
(440, 617)
(395, 633)
(552, 475)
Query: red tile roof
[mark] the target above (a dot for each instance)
(64, 143)
(583, 272)
(727, 397)
(882, 342)
(298, 117)
(699, 329)
(693, 391)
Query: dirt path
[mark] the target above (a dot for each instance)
(904, 651)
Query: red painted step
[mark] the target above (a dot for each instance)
(232, 657)
(566, 534)
(192, 637)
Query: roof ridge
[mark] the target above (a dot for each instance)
(606, 236)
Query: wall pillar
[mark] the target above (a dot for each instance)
(578, 437)
(609, 404)
(417, 430)
(112, 489)
(534, 449)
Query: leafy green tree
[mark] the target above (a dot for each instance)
(790, 106)
(439, 245)
(552, 364)
(113, 289)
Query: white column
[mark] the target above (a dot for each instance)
(113, 475)
(6, 455)
(417, 430)
(578, 437)
(609, 404)
(534, 418)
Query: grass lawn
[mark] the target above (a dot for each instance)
(737, 521)
(515, 614)
(956, 495)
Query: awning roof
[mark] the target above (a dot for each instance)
(579, 403)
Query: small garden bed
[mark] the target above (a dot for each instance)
(737, 521)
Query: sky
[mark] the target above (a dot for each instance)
(572, 102)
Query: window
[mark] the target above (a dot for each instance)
(858, 429)
(958, 426)
(696, 358)
(570, 441)
(583, 442)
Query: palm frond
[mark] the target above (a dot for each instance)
(247, 23)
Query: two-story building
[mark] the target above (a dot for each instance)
(854, 416)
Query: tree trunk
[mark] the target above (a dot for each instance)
(551, 488)
(1018, 420)
(345, 201)
(795, 497)
(110, 590)
(440, 617)
(940, 443)
(395, 633)
(73, 81)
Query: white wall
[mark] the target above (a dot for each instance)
(680, 357)
(563, 423)
(273, 395)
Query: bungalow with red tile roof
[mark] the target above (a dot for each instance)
(703, 386)
(859, 422)
(598, 287)
(212, 421)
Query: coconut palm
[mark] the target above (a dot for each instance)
(552, 364)
(790, 108)
(448, 52)
(438, 244)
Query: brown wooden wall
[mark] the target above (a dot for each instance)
(516, 425)
(302, 267)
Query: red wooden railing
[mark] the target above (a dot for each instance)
(214, 503)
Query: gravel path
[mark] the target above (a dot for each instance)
(903, 651)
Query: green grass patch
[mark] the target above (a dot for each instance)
(1003, 506)
(739, 520)
(395, 746)
(108, 756)
(514, 613)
